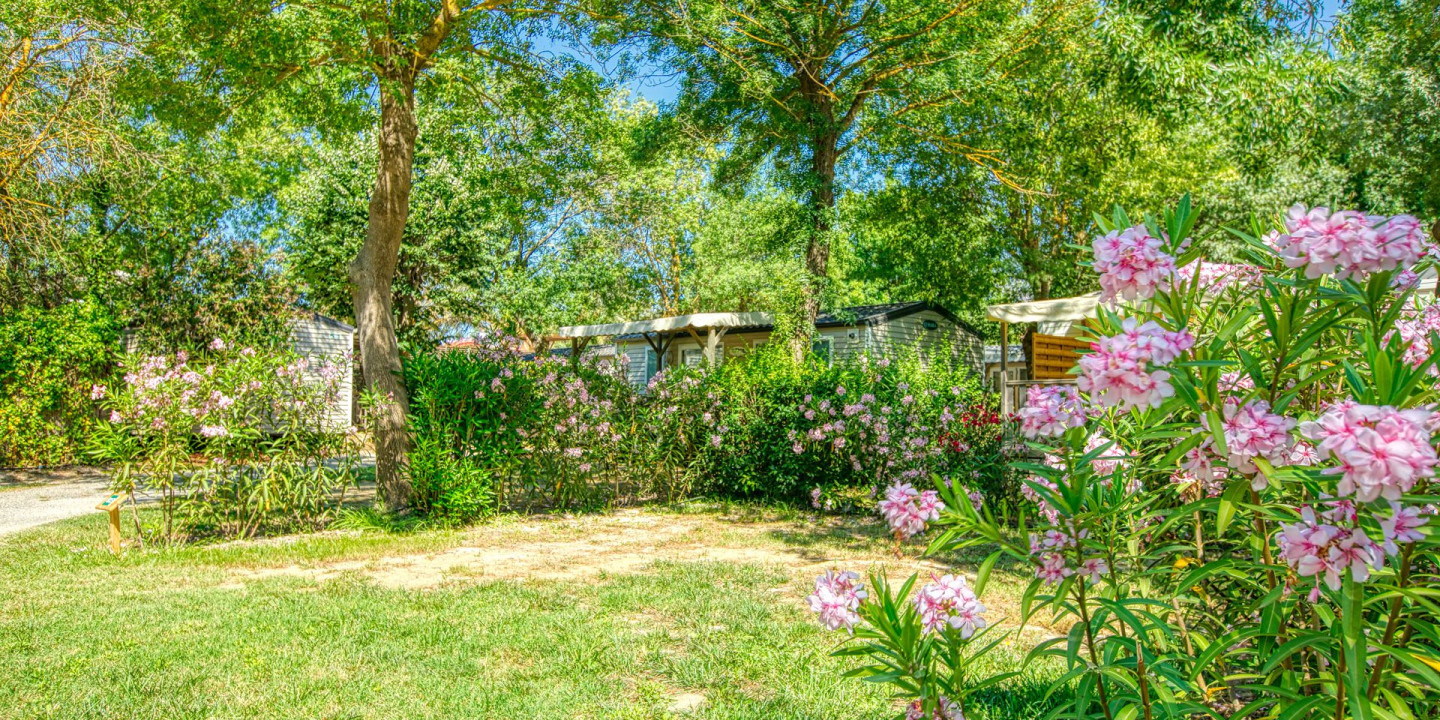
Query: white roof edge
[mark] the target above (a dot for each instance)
(1059, 309)
(698, 321)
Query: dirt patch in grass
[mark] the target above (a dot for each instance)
(593, 547)
(628, 541)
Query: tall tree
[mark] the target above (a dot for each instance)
(1391, 138)
(207, 60)
(804, 82)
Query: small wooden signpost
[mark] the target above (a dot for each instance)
(112, 505)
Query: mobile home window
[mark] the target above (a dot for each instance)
(823, 347)
(652, 364)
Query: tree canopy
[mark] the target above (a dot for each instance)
(428, 169)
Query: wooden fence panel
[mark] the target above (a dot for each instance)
(1051, 357)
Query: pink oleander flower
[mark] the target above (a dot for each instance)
(948, 601)
(977, 499)
(836, 598)
(1406, 279)
(1382, 451)
(1132, 265)
(1252, 431)
(815, 498)
(1197, 465)
(1347, 243)
(797, 448)
(1053, 568)
(1109, 461)
(1120, 369)
(1215, 278)
(1094, 570)
(1415, 327)
(97, 392)
(907, 509)
(1314, 549)
(497, 385)
(1403, 526)
(217, 344)
(1303, 453)
(1236, 382)
(944, 710)
(213, 431)
(115, 416)
(1050, 410)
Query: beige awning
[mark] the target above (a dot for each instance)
(1069, 311)
(696, 321)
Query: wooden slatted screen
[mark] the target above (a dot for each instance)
(1051, 357)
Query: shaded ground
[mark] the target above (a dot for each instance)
(29, 498)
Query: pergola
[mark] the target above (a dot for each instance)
(1061, 316)
(660, 333)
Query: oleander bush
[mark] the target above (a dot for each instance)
(493, 427)
(229, 441)
(1231, 511)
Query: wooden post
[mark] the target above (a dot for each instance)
(112, 507)
(712, 343)
(1004, 369)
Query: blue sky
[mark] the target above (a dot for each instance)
(650, 82)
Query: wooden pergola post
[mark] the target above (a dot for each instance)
(1004, 369)
(577, 346)
(712, 343)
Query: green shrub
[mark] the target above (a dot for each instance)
(807, 431)
(489, 423)
(49, 361)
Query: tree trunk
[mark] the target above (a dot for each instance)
(371, 274)
(817, 248)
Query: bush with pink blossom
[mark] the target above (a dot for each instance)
(228, 441)
(1234, 510)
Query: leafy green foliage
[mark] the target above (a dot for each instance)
(49, 360)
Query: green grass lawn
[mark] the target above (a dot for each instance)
(612, 616)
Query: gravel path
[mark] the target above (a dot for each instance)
(30, 498)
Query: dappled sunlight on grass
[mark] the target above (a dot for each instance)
(705, 613)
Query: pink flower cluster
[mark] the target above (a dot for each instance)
(1214, 278)
(1252, 431)
(1132, 264)
(1050, 410)
(1198, 470)
(1415, 327)
(1314, 549)
(836, 598)
(1381, 451)
(907, 509)
(944, 710)
(948, 601)
(1054, 564)
(1349, 243)
(1121, 369)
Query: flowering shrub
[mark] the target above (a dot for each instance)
(1233, 504)
(489, 418)
(229, 440)
(565, 432)
(893, 423)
